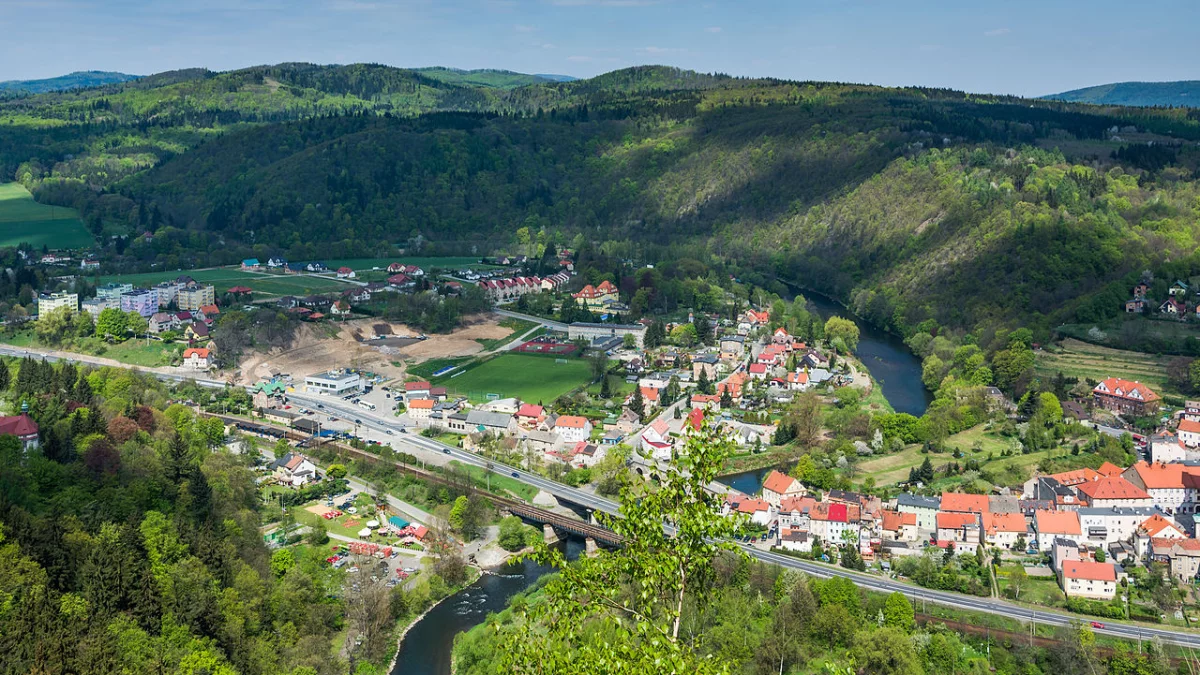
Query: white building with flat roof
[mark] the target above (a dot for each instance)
(334, 382)
(51, 301)
(94, 306)
(113, 291)
(591, 331)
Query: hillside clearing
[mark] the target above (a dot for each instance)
(24, 221)
(1075, 358)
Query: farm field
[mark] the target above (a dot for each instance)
(23, 220)
(529, 378)
(1083, 360)
(223, 278)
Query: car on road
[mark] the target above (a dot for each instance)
(358, 421)
(388, 432)
(516, 475)
(446, 450)
(1097, 624)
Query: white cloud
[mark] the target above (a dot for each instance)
(713, 29)
(995, 32)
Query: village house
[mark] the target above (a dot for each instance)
(758, 510)
(707, 364)
(295, 469)
(794, 512)
(1087, 579)
(596, 297)
(753, 319)
(795, 540)
(924, 508)
(1002, 530)
(162, 321)
(196, 331)
(345, 273)
(1125, 397)
(250, 264)
(898, 526)
(1109, 492)
(1051, 524)
(1172, 487)
(1155, 527)
(732, 347)
(1104, 526)
(779, 486)
(573, 428)
(197, 358)
(1182, 557)
(419, 409)
(831, 521)
(418, 389)
(530, 415)
(960, 529)
(657, 439)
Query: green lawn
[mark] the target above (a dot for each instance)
(894, 468)
(1075, 358)
(499, 481)
(223, 278)
(132, 352)
(23, 220)
(529, 378)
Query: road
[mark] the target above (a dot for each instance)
(554, 325)
(598, 503)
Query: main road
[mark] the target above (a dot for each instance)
(597, 503)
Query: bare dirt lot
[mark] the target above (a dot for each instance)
(320, 347)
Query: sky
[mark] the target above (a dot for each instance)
(1023, 47)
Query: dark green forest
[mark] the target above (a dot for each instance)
(909, 204)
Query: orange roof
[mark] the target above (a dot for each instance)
(1134, 391)
(606, 287)
(790, 504)
(705, 398)
(696, 418)
(202, 352)
(649, 393)
(752, 506)
(1070, 478)
(571, 422)
(1188, 425)
(1004, 522)
(1155, 525)
(529, 410)
(1109, 469)
(1165, 476)
(893, 521)
(421, 404)
(1171, 543)
(778, 483)
(1111, 488)
(1057, 522)
(954, 521)
(210, 309)
(1089, 571)
(964, 503)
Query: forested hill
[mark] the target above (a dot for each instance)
(76, 80)
(1184, 93)
(912, 204)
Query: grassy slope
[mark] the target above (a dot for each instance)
(23, 220)
(1087, 361)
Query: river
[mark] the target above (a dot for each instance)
(426, 648)
(894, 367)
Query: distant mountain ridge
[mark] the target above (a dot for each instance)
(78, 80)
(1181, 93)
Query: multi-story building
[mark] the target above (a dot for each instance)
(1125, 397)
(113, 291)
(591, 331)
(48, 302)
(94, 306)
(334, 382)
(143, 301)
(1172, 487)
(167, 291)
(961, 529)
(1109, 492)
(503, 290)
(193, 296)
(1004, 529)
(1104, 526)
(925, 508)
(899, 526)
(780, 486)
(596, 297)
(1053, 524)
(573, 428)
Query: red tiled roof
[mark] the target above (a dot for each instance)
(778, 483)
(954, 521)
(1133, 391)
(1076, 477)
(18, 425)
(202, 352)
(893, 521)
(1155, 525)
(1111, 488)
(416, 386)
(1166, 476)
(1089, 571)
(752, 506)
(758, 368)
(1109, 469)
(649, 393)
(696, 418)
(529, 410)
(421, 404)
(964, 503)
(1189, 425)
(571, 422)
(1057, 522)
(799, 504)
(1004, 522)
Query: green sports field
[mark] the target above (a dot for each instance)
(224, 278)
(529, 378)
(23, 220)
